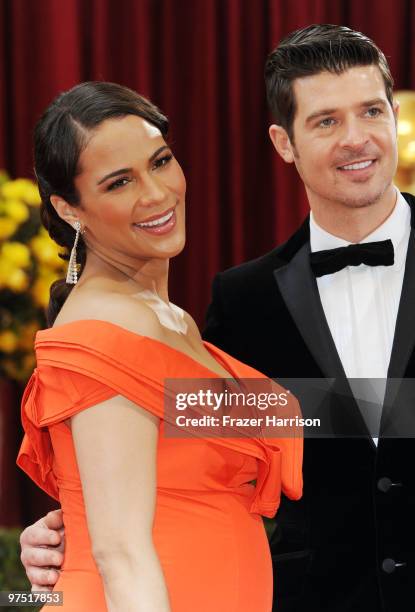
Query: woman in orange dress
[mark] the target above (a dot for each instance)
(153, 522)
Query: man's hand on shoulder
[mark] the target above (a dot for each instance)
(43, 546)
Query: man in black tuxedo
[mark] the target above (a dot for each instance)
(348, 545)
(299, 313)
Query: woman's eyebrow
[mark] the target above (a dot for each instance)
(159, 150)
(125, 170)
(115, 173)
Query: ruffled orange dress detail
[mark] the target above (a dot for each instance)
(208, 530)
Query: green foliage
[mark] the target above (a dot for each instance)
(12, 574)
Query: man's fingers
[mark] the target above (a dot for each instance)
(42, 546)
(40, 557)
(37, 587)
(34, 535)
(61, 545)
(42, 577)
(53, 519)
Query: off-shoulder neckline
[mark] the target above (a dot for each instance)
(212, 349)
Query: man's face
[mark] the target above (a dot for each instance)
(344, 136)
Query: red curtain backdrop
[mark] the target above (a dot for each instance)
(202, 62)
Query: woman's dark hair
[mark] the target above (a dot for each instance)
(310, 51)
(60, 136)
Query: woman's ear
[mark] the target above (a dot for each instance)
(282, 143)
(65, 211)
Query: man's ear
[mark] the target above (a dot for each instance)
(65, 211)
(395, 108)
(282, 143)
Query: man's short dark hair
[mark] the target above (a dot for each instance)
(311, 50)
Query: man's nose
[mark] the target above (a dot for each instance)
(353, 134)
(152, 191)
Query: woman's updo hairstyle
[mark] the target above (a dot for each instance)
(60, 136)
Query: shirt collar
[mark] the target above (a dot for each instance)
(396, 227)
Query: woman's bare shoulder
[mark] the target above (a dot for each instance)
(123, 310)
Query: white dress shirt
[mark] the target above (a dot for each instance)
(361, 305)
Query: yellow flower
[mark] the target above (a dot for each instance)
(31, 195)
(12, 277)
(41, 288)
(8, 341)
(17, 280)
(16, 253)
(6, 268)
(46, 251)
(21, 189)
(17, 210)
(12, 190)
(7, 227)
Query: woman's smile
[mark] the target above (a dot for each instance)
(158, 224)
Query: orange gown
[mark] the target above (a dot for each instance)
(208, 530)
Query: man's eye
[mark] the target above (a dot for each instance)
(162, 161)
(328, 122)
(374, 111)
(119, 183)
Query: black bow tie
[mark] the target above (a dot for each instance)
(369, 253)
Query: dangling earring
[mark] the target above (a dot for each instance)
(72, 274)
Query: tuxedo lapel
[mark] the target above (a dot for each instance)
(298, 288)
(404, 339)
(395, 413)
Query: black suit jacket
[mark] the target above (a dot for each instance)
(331, 549)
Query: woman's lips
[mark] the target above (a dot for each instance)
(160, 226)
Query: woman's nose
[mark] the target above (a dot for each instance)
(152, 191)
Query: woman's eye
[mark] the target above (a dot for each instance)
(162, 161)
(118, 183)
